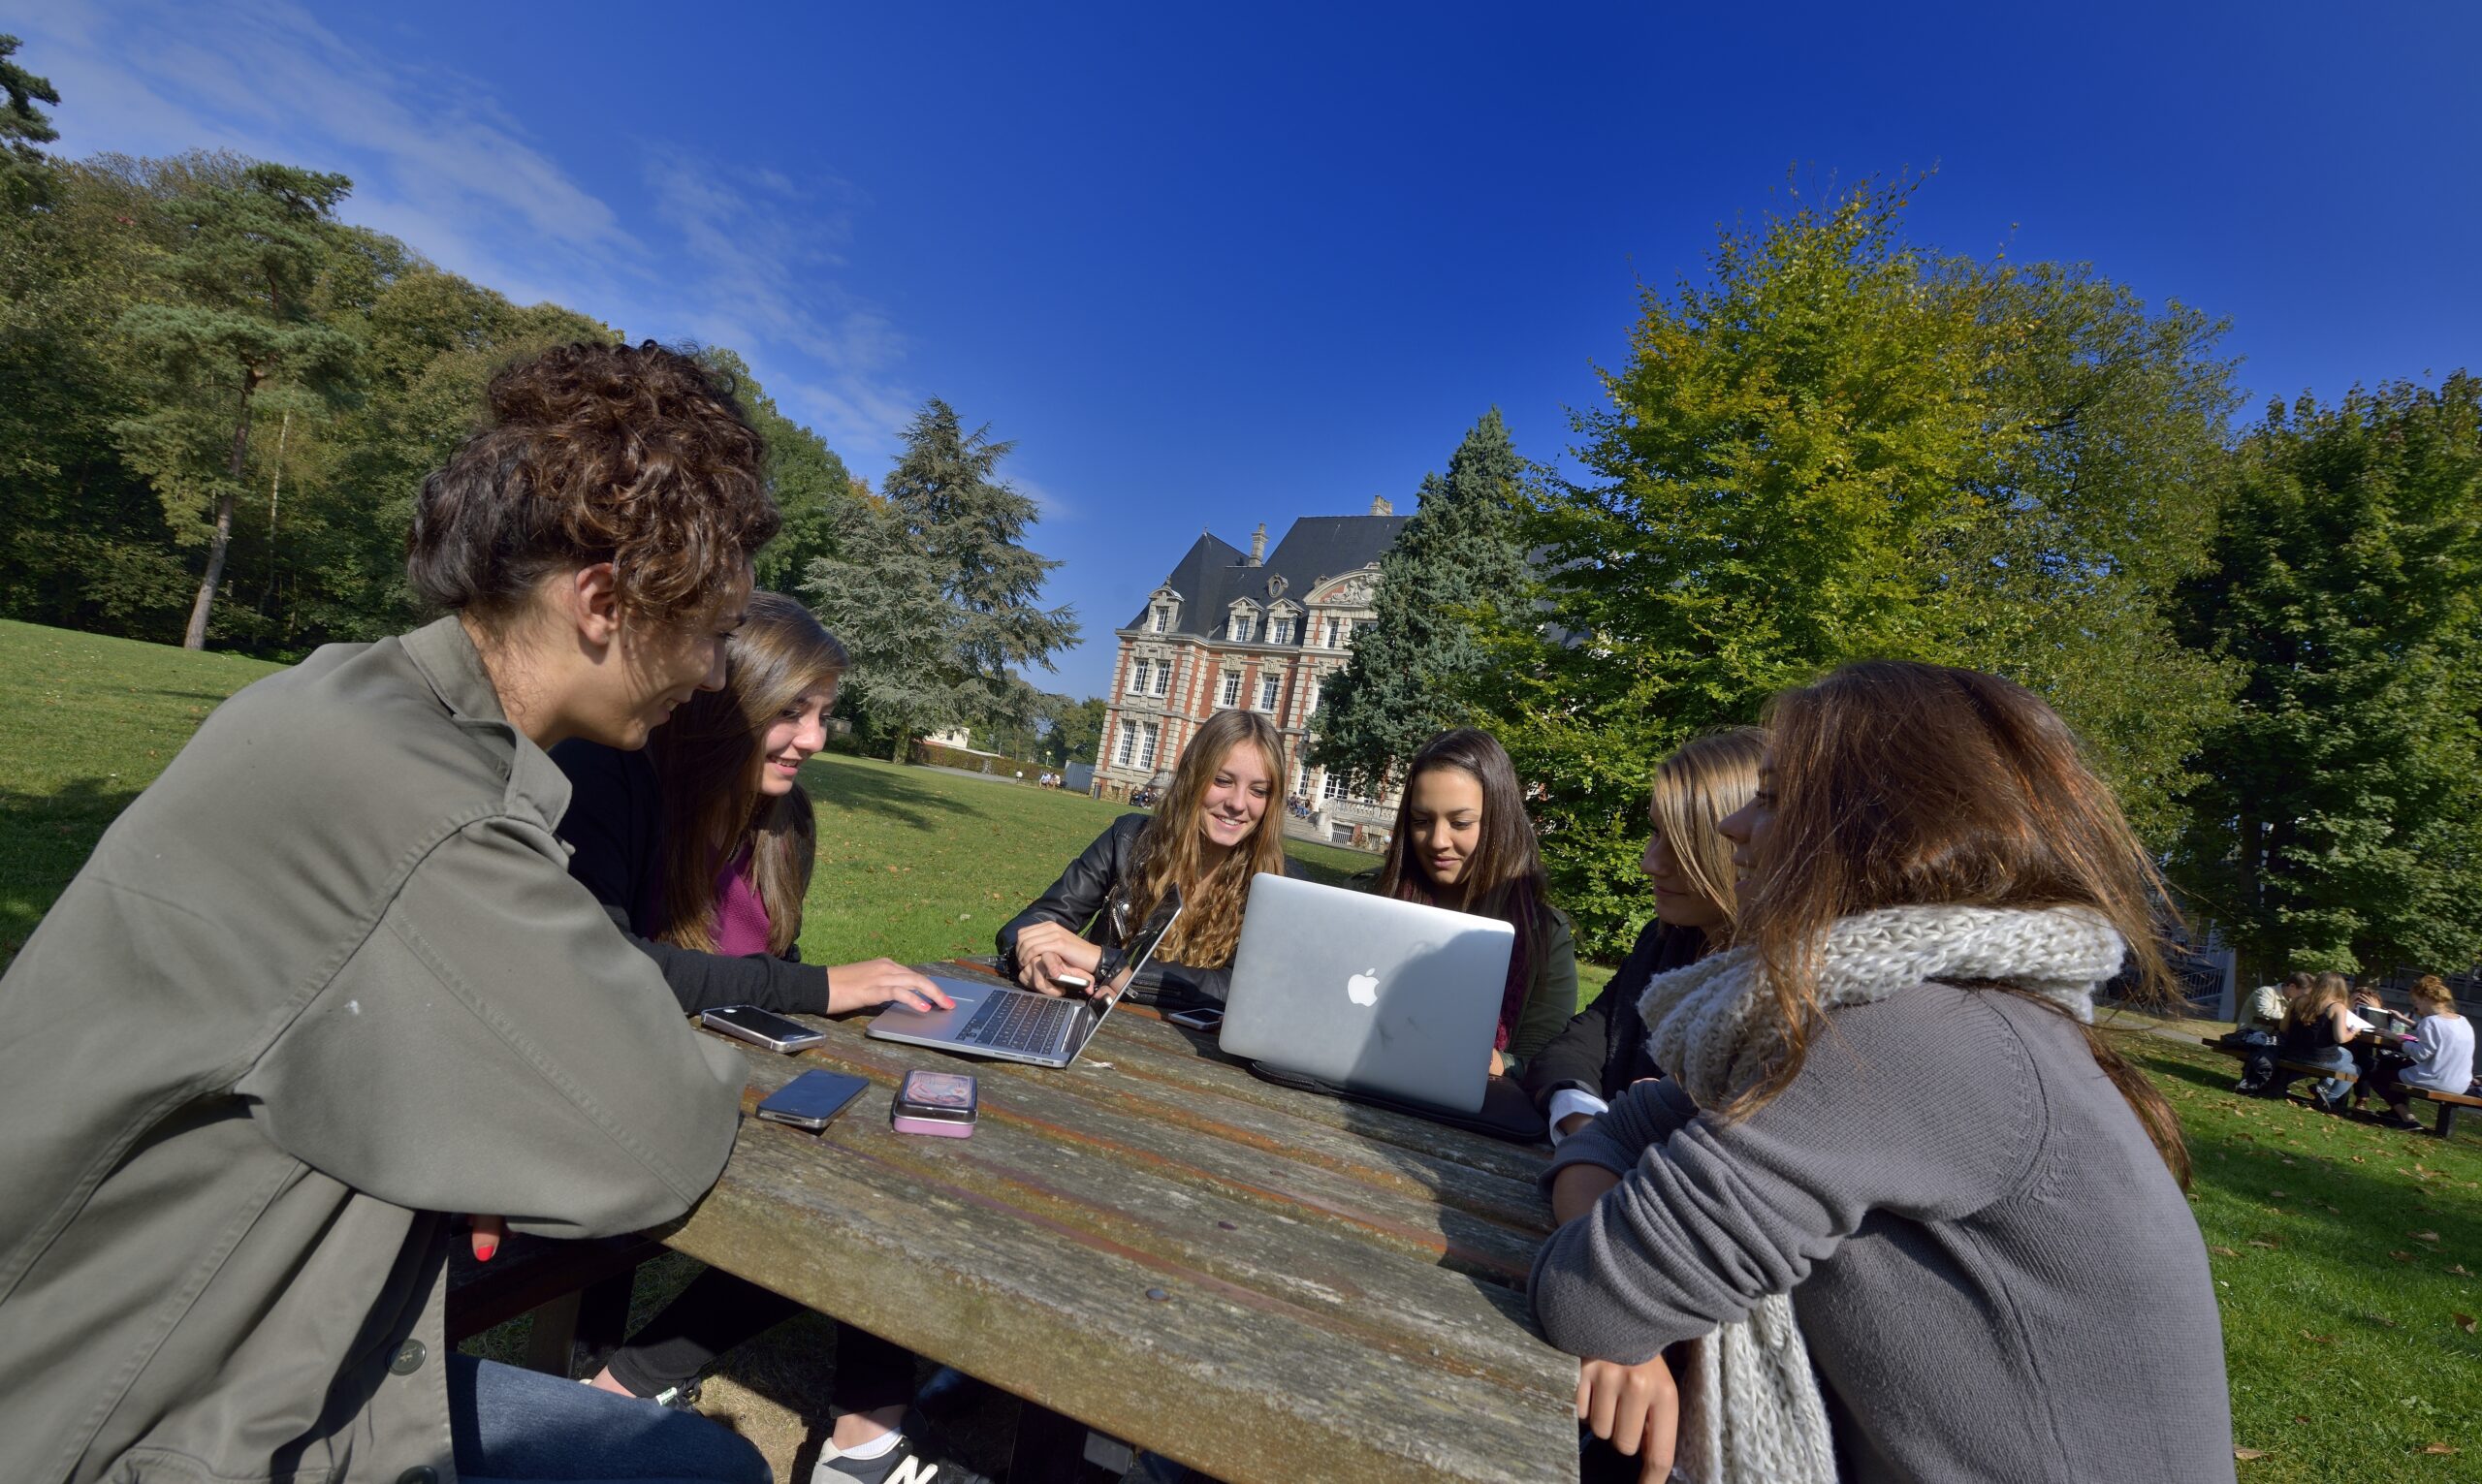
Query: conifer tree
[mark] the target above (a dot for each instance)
(934, 595)
(241, 316)
(1456, 568)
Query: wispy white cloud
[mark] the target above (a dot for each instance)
(714, 250)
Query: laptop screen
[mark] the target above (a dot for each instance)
(1140, 950)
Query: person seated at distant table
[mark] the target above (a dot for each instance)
(2442, 1052)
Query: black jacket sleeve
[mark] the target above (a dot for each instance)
(614, 830)
(1603, 1049)
(1077, 901)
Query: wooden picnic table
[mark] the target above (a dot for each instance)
(1262, 1284)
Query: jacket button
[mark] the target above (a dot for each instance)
(407, 1360)
(424, 1475)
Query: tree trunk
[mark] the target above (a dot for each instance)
(896, 754)
(221, 542)
(276, 487)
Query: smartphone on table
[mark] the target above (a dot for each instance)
(1203, 1017)
(761, 1028)
(811, 1099)
(941, 1104)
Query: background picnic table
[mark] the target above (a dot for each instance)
(1262, 1284)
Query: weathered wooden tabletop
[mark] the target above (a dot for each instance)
(1262, 1284)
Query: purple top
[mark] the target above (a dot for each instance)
(741, 918)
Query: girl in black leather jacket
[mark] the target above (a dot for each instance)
(1213, 832)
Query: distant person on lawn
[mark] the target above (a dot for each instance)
(2317, 1031)
(700, 847)
(2261, 1020)
(1213, 832)
(1915, 1218)
(327, 984)
(2441, 1048)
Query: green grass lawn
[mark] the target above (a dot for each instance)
(2343, 1254)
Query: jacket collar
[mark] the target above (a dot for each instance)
(453, 667)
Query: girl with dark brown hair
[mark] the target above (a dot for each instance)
(1914, 1218)
(2318, 1029)
(1462, 841)
(700, 849)
(1212, 832)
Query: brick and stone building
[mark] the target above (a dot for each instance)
(1229, 629)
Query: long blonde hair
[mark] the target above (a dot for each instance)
(1171, 852)
(708, 759)
(1707, 779)
(2326, 992)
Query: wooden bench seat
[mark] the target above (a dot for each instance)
(2301, 1068)
(2448, 1103)
(578, 1292)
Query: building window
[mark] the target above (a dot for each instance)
(1163, 676)
(1334, 627)
(1129, 743)
(1310, 706)
(1232, 693)
(1137, 675)
(1267, 687)
(1146, 745)
(1280, 630)
(1334, 788)
(1245, 628)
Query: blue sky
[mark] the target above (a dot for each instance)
(1216, 268)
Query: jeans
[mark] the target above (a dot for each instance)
(511, 1425)
(2332, 1090)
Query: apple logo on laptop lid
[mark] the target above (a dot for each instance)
(1362, 989)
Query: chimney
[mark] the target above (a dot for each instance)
(1259, 546)
(1379, 506)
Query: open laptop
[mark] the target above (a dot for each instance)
(1020, 1024)
(1368, 992)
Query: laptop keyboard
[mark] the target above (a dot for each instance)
(1022, 1023)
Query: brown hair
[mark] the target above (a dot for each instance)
(1707, 779)
(1170, 853)
(2431, 990)
(1899, 783)
(2325, 991)
(635, 456)
(1505, 878)
(708, 759)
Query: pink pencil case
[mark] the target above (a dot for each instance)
(940, 1104)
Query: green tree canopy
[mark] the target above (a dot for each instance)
(2337, 818)
(249, 253)
(1457, 571)
(1842, 445)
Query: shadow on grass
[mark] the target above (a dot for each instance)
(880, 791)
(43, 839)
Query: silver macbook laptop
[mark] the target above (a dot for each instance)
(1019, 1025)
(1368, 992)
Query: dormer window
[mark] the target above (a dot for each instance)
(1242, 625)
(1280, 629)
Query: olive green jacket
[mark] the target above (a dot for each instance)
(323, 984)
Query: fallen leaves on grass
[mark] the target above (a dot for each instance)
(2458, 1268)
(2463, 1322)
(2318, 1339)
(2224, 1252)
(2439, 1448)
(2424, 1236)
(2401, 1256)
(2262, 1242)
(2248, 1455)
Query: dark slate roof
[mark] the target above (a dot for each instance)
(1213, 576)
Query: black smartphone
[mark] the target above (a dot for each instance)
(811, 1099)
(1198, 1020)
(761, 1028)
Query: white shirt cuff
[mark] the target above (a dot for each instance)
(1567, 1100)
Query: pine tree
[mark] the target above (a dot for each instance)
(24, 175)
(1457, 569)
(251, 252)
(935, 595)
(2338, 821)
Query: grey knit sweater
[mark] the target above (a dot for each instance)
(1995, 1276)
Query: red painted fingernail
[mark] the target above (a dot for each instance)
(483, 1250)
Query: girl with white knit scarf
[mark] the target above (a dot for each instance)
(1916, 1220)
